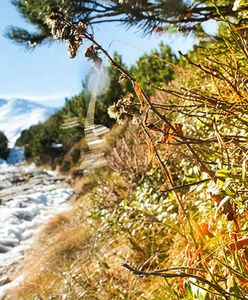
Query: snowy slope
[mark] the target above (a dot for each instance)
(18, 114)
(30, 196)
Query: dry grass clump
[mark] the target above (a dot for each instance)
(55, 224)
(69, 162)
(60, 242)
(127, 156)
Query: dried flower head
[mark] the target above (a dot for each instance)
(72, 45)
(122, 79)
(92, 54)
(65, 30)
(113, 111)
(56, 23)
(124, 109)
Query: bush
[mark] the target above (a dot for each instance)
(4, 151)
(38, 139)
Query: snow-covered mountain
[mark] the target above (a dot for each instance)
(19, 114)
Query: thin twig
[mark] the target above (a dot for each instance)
(219, 289)
(189, 184)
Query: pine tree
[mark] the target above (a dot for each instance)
(155, 68)
(4, 151)
(153, 15)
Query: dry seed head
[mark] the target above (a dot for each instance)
(123, 110)
(113, 111)
(81, 28)
(72, 47)
(73, 44)
(56, 23)
(122, 118)
(65, 30)
(92, 54)
(122, 79)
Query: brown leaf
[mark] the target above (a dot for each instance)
(205, 230)
(180, 282)
(165, 128)
(239, 244)
(216, 198)
(150, 155)
(163, 139)
(178, 128)
(198, 231)
(164, 187)
(140, 95)
(243, 282)
(151, 126)
(164, 136)
(171, 135)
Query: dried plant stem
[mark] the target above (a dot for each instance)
(152, 107)
(91, 52)
(204, 167)
(216, 287)
(186, 185)
(214, 73)
(171, 183)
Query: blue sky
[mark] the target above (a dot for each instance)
(47, 75)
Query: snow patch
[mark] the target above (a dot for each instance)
(10, 285)
(28, 208)
(56, 146)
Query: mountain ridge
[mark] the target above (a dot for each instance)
(18, 114)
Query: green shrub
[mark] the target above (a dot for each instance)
(4, 151)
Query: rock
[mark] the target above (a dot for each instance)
(4, 280)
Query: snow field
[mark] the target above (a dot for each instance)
(22, 216)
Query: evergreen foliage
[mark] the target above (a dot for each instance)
(158, 15)
(4, 151)
(155, 68)
(38, 139)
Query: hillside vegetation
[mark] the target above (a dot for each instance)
(171, 204)
(66, 127)
(4, 151)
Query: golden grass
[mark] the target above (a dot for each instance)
(56, 223)
(81, 260)
(60, 242)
